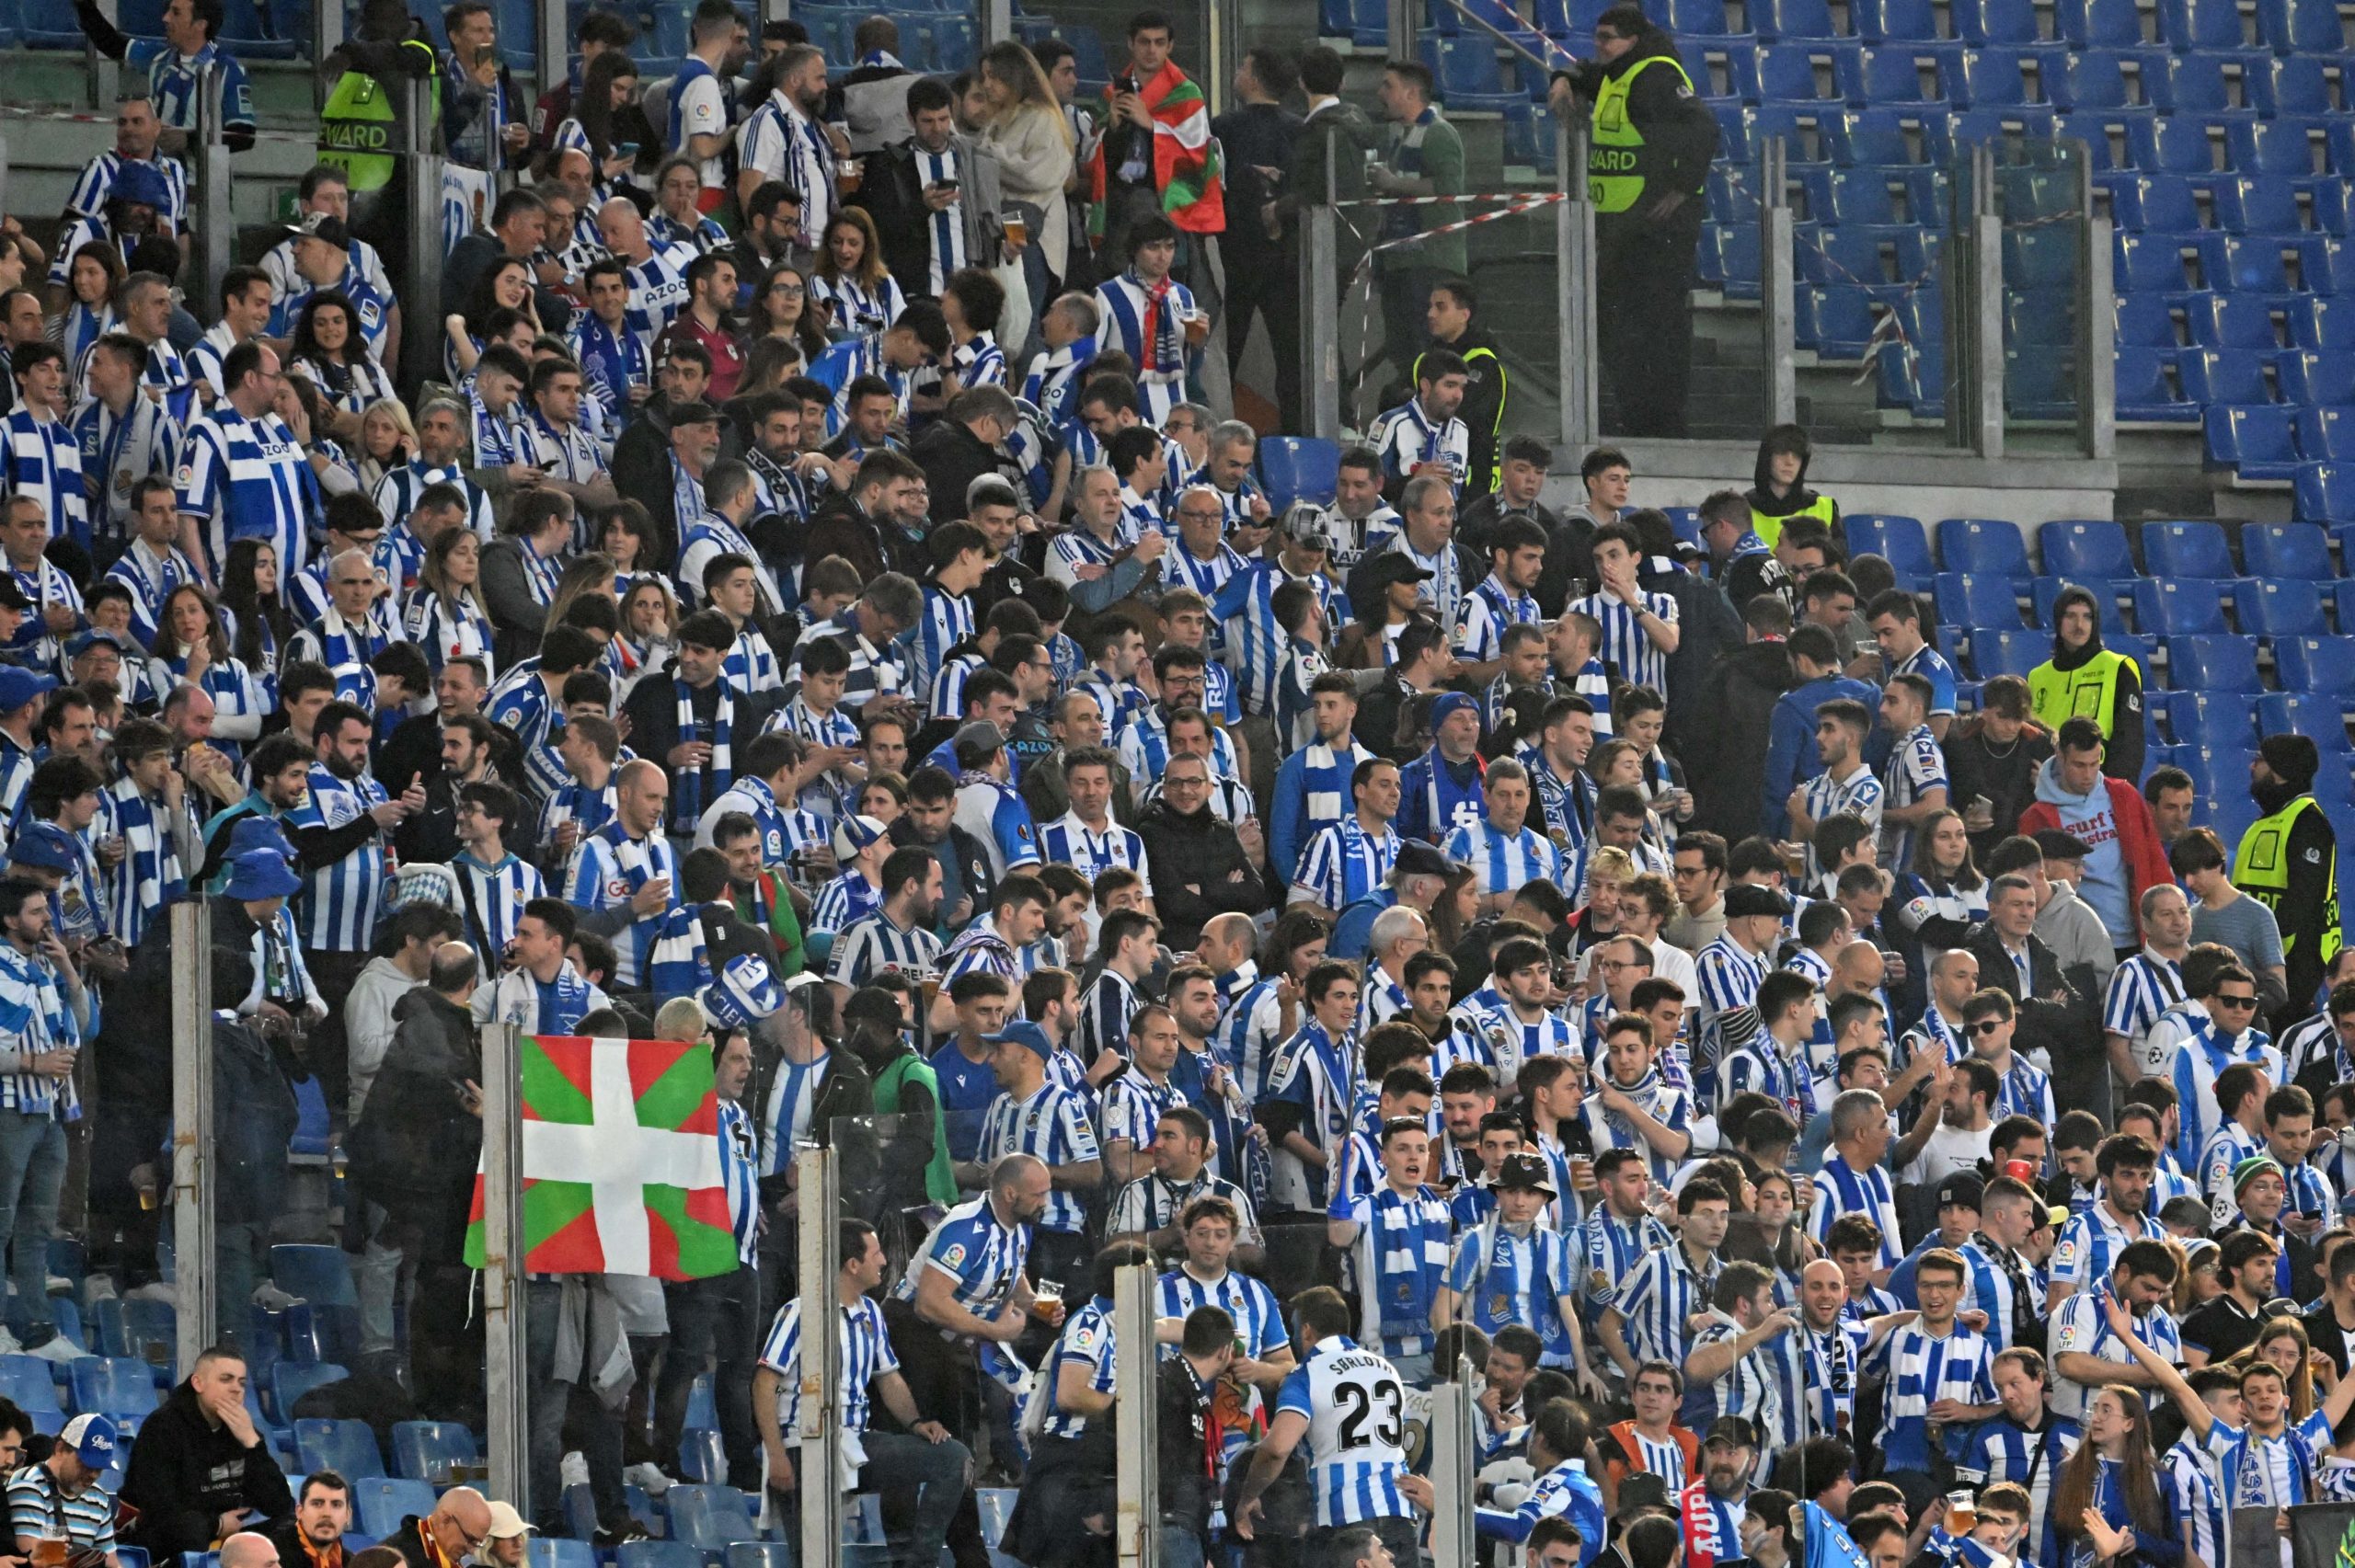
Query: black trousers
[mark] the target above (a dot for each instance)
(1644, 315)
(714, 1321)
(1259, 280)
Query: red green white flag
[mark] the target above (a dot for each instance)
(620, 1160)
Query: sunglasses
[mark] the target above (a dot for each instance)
(2224, 1000)
(1987, 1027)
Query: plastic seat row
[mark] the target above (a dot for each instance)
(2167, 203)
(2232, 88)
(2088, 548)
(2266, 442)
(2284, 27)
(2204, 259)
(2204, 319)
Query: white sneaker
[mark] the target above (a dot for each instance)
(573, 1469)
(59, 1286)
(58, 1348)
(96, 1288)
(271, 1297)
(154, 1290)
(8, 1346)
(650, 1477)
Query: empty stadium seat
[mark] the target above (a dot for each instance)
(2219, 776)
(2149, 386)
(2091, 548)
(2325, 492)
(111, 1385)
(2005, 651)
(2171, 607)
(2099, 24)
(2211, 719)
(2278, 607)
(679, 1555)
(2240, 321)
(2260, 443)
(1296, 468)
(380, 1503)
(2301, 26)
(2316, 716)
(1983, 545)
(2224, 375)
(2299, 85)
(1771, 19)
(709, 1518)
(1877, 21)
(2173, 146)
(430, 1450)
(2326, 434)
(1836, 323)
(290, 1381)
(2216, 661)
(2186, 550)
(2106, 591)
(2316, 664)
(2321, 324)
(347, 1447)
(1976, 599)
(558, 1551)
(2286, 550)
(2190, 25)
(1899, 541)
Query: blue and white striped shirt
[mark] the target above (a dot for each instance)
(1659, 1298)
(1481, 619)
(1627, 646)
(2078, 1327)
(1354, 1403)
(2140, 990)
(492, 898)
(36, 1017)
(336, 911)
(248, 479)
(2090, 1241)
(948, 621)
(1258, 1316)
(1916, 767)
(1343, 863)
(1500, 862)
(45, 464)
(610, 868)
(983, 1257)
(148, 876)
(1840, 1190)
(1067, 841)
(1922, 1369)
(876, 944)
(1086, 1341)
(1858, 795)
(865, 1355)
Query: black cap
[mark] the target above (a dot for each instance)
(1395, 566)
(2054, 845)
(1962, 1190)
(1733, 1429)
(1416, 858)
(11, 596)
(695, 414)
(1745, 899)
(1528, 1171)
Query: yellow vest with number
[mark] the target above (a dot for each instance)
(1770, 529)
(2261, 868)
(1614, 158)
(2090, 690)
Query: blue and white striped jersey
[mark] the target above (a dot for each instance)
(175, 81)
(554, 1008)
(118, 453)
(336, 910)
(148, 876)
(1152, 337)
(2078, 1327)
(1502, 862)
(657, 292)
(1657, 1298)
(1661, 1100)
(1992, 1289)
(44, 464)
(1922, 1369)
(948, 621)
(248, 479)
(2192, 1468)
(739, 1179)
(610, 868)
(1086, 1341)
(1858, 795)
(1627, 646)
(789, 1109)
(1915, 767)
(1054, 1124)
(845, 901)
(1246, 611)
(2198, 1060)
(1840, 1190)
(1355, 1404)
(95, 187)
(1500, 1277)
(983, 1256)
(1752, 1387)
(1408, 440)
(1343, 863)
(2278, 1471)
(575, 801)
(878, 943)
(1835, 1363)
(2090, 1241)
(1609, 1247)
(1067, 841)
(1481, 619)
(865, 1355)
(35, 1017)
(1931, 665)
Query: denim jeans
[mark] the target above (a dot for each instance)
(32, 1172)
(549, 1400)
(713, 1321)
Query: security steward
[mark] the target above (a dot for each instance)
(360, 129)
(2085, 679)
(2288, 861)
(1649, 153)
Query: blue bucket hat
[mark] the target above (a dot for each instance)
(261, 873)
(46, 846)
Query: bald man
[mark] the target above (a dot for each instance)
(249, 1550)
(459, 1524)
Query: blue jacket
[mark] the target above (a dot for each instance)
(1791, 756)
(1353, 927)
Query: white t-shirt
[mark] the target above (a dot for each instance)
(1951, 1150)
(704, 113)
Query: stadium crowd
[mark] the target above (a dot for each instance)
(798, 602)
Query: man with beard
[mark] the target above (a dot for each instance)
(691, 720)
(1423, 434)
(2288, 861)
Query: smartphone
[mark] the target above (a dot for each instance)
(626, 149)
(944, 185)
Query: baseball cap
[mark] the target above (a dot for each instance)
(1023, 1032)
(2055, 844)
(19, 686)
(1416, 858)
(1309, 524)
(93, 1439)
(1526, 1171)
(506, 1524)
(1730, 1431)
(853, 834)
(93, 637)
(1962, 1190)
(980, 735)
(743, 991)
(43, 845)
(322, 226)
(1394, 567)
(1745, 899)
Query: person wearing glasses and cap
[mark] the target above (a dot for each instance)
(66, 1493)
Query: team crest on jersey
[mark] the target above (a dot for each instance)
(1599, 1280)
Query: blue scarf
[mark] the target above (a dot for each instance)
(687, 791)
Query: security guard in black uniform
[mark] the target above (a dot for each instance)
(1649, 151)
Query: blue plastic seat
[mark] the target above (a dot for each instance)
(2171, 607)
(2164, 263)
(2171, 146)
(763, 1554)
(1470, 78)
(1983, 22)
(2040, 259)
(2301, 26)
(2257, 207)
(2278, 607)
(1899, 541)
(709, 1518)
(2259, 442)
(2315, 379)
(1774, 19)
(2190, 25)
(2186, 550)
(427, 1450)
(381, 1502)
(2317, 717)
(2107, 592)
(2007, 651)
(1976, 599)
(679, 1555)
(1985, 545)
(2211, 719)
(1870, 139)
(2160, 204)
(2286, 550)
(1296, 468)
(2149, 386)
(2215, 662)
(2099, 24)
(345, 1446)
(560, 1551)
(1729, 258)
(2224, 375)
(290, 1381)
(2092, 81)
(2316, 664)
(111, 1385)
(1856, 196)
(1836, 323)
(2094, 548)
(1999, 77)
(2325, 492)
(2342, 597)
(2142, 321)
(29, 1383)
(2274, 147)
(2298, 85)
(2326, 434)
(1879, 21)
(2326, 264)
(2321, 323)
(2199, 84)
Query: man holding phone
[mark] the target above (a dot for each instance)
(934, 196)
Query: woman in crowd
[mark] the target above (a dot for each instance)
(785, 305)
(851, 280)
(260, 619)
(335, 358)
(505, 285)
(1034, 148)
(192, 643)
(91, 280)
(446, 616)
(608, 85)
(676, 222)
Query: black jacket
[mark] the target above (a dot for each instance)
(2063, 1017)
(415, 1146)
(185, 1473)
(1194, 859)
(2006, 777)
(952, 457)
(1679, 133)
(653, 714)
(1727, 761)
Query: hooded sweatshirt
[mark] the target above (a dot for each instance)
(2124, 855)
(2122, 755)
(1761, 496)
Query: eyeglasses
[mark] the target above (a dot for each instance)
(1987, 1027)
(2224, 1000)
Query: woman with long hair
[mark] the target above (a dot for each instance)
(1262, 1019)
(446, 616)
(1455, 909)
(1942, 894)
(260, 619)
(505, 284)
(851, 278)
(649, 615)
(332, 352)
(91, 280)
(628, 532)
(884, 797)
(607, 85)
(675, 221)
(1767, 1236)
(192, 648)
(302, 408)
(784, 306)
(387, 441)
(769, 363)
(2113, 1503)
(1035, 155)
(591, 572)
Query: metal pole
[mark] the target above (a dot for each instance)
(1777, 322)
(1405, 17)
(1320, 323)
(554, 43)
(4, 171)
(194, 1177)
(2096, 387)
(1985, 371)
(996, 20)
(1137, 1535)
(106, 76)
(421, 294)
(326, 37)
(1454, 1459)
(1574, 241)
(506, 1350)
(820, 1459)
(212, 203)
